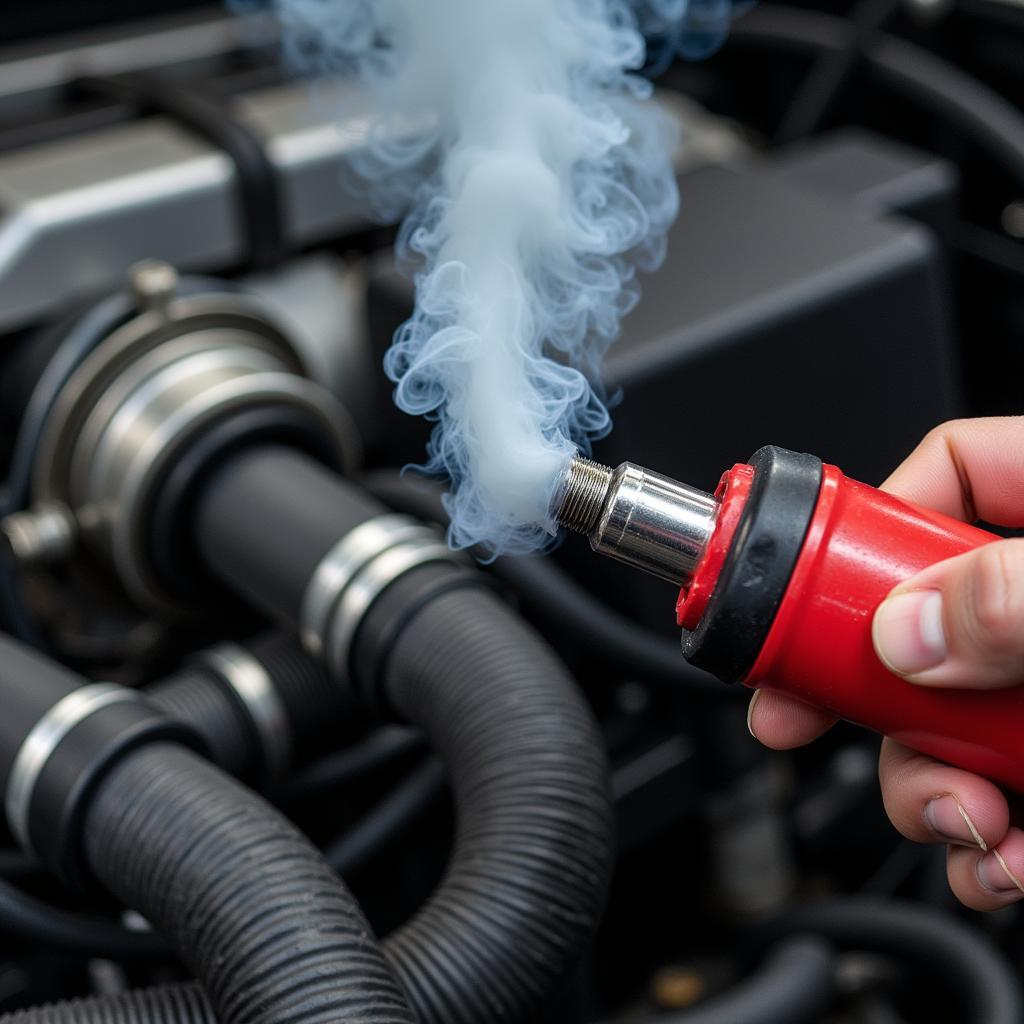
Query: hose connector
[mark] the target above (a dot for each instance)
(638, 517)
(354, 573)
(61, 736)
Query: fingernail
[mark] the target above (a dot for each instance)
(908, 632)
(750, 713)
(946, 817)
(995, 875)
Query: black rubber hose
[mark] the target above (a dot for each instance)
(532, 855)
(315, 708)
(794, 985)
(255, 912)
(162, 1004)
(315, 704)
(959, 957)
(979, 113)
(554, 596)
(832, 71)
(533, 850)
(195, 696)
(267, 519)
(24, 916)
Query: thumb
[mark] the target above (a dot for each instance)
(960, 622)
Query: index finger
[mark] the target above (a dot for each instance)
(969, 469)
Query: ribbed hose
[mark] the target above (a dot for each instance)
(315, 703)
(194, 696)
(533, 849)
(162, 1004)
(255, 912)
(315, 706)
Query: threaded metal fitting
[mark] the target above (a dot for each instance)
(583, 495)
(638, 517)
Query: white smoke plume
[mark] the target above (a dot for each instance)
(549, 184)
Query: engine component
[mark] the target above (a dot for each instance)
(94, 786)
(371, 592)
(185, 368)
(261, 708)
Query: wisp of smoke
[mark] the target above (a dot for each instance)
(539, 179)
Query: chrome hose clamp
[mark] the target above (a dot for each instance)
(252, 686)
(44, 738)
(354, 573)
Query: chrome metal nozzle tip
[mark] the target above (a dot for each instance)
(582, 495)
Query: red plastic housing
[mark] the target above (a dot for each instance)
(862, 542)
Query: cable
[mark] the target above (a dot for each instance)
(961, 957)
(258, 190)
(794, 985)
(24, 916)
(832, 72)
(378, 750)
(964, 103)
(388, 818)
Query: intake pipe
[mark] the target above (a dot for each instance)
(371, 594)
(102, 787)
(414, 633)
(400, 625)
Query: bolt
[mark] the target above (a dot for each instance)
(41, 535)
(154, 283)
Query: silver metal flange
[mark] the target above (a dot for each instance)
(145, 394)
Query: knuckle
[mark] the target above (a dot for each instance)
(945, 432)
(997, 596)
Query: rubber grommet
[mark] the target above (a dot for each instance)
(758, 567)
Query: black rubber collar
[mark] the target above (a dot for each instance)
(258, 190)
(758, 566)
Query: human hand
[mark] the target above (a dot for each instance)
(959, 623)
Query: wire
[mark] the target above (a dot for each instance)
(25, 917)
(794, 985)
(388, 818)
(964, 103)
(378, 750)
(954, 954)
(832, 71)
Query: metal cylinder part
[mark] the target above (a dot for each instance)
(638, 517)
(145, 394)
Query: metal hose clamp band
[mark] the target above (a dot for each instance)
(338, 567)
(44, 738)
(367, 585)
(252, 685)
